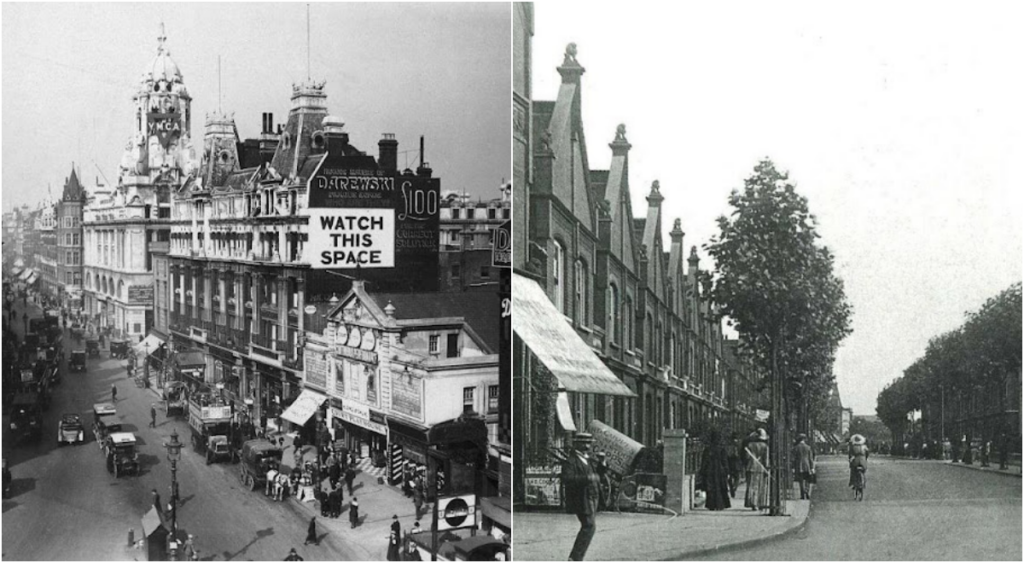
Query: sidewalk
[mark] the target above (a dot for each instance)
(377, 504)
(651, 537)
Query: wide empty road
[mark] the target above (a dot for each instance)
(913, 510)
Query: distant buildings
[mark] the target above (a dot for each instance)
(467, 229)
(69, 247)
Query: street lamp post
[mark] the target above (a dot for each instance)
(173, 455)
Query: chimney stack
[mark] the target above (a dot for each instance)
(388, 152)
(424, 168)
(268, 139)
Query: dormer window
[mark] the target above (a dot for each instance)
(224, 156)
(286, 140)
(318, 140)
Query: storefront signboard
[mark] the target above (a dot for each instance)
(358, 354)
(456, 512)
(501, 246)
(359, 415)
(140, 295)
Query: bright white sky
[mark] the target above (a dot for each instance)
(901, 123)
(69, 71)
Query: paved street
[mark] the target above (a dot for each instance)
(66, 506)
(913, 510)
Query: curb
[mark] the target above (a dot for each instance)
(983, 470)
(725, 547)
(948, 463)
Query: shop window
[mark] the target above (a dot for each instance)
(492, 398)
(467, 399)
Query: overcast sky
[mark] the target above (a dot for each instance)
(442, 70)
(900, 122)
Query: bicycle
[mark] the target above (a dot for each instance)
(859, 483)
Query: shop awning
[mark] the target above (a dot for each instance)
(564, 413)
(16, 271)
(819, 437)
(499, 510)
(26, 273)
(190, 359)
(557, 345)
(149, 345)
(32, 279)
(303, 407)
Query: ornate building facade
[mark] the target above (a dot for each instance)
(123, 227)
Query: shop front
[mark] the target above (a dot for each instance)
(365, 430)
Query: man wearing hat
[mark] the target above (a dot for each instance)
(582, 488)
(803, 461)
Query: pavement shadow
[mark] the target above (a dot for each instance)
(8, 505)
(183, 500)
(23, 485)
(260, 534)
(148, 461)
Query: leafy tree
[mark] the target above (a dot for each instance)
(982, 353)
(777, 287)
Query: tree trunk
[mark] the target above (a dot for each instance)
(778, 418)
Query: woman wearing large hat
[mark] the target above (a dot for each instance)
(858, 457)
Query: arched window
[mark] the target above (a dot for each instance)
(120, 290)
(614, 322)
(581, 306)
(558, 276)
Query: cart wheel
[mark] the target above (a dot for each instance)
(252, 483)
(209, 458)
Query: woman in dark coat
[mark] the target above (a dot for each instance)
(735, 452)
(715, 473)
(311, 533)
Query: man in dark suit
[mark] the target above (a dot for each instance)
(582, 488)
(803, 461)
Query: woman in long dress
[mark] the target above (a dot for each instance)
(715, 473)
(858, 457)
(756, 465)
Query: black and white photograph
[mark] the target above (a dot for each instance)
(766, 285)
(256, 281)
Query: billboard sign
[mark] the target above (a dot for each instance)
(381, 226)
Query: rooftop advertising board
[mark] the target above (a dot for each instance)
(381, 226)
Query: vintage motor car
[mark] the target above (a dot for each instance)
(174, 396)
(119, 349)
(256, 457)
(26, 421)
(70, 429)
(76, 362)
(122, 459)
(92, 348)
(105, 421)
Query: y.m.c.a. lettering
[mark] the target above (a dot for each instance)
(355, 183)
